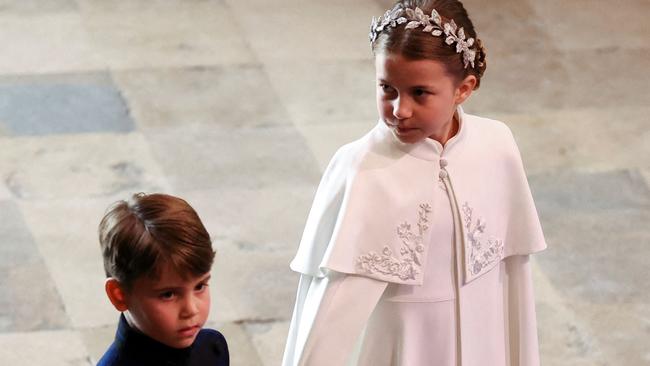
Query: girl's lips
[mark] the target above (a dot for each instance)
(402, 130)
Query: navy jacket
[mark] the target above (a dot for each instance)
(132, 348)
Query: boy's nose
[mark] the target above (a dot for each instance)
(402, 109)
(190, 307)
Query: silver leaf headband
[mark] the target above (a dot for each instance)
(430, 23)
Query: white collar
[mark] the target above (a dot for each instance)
(427, 149)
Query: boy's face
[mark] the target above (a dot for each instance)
(169, 309)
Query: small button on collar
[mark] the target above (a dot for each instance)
(443, 162)
(443, 174)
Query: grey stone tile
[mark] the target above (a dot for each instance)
(585, 139)
(96, 340)
(66, 104)
(324, 139)
(136, 5)
(4, 192)
(384, 4)
(65, 232)
(136, 34)
(646, 175)
(591, 192)
(595, 224)
(88, 165)
(564, 338)
(269, 339)
(4, 131)
(619, 330)
(324, 92)
(564, 80)
(36, 43)
(233, 96)
(608, 78)
(598, 236)
(300, 31)
(46, 348)
(522, 83)
(565, 341)
(256, 220)
(259, 283)
(196, 158)
(242, 351)
(36, 6)
(525, 71)
(29, 297)
(509, 27)
(584, 24)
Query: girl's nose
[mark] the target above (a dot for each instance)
(402, 109)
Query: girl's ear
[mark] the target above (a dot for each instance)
(465, 88)
(116, 294)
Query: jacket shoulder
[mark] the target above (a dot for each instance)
(213, 345)
(111, 357)
(212, 335)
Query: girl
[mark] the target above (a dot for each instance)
(416, 250)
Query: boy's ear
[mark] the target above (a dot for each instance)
(116, 294)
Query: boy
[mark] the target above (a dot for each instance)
(157, 257)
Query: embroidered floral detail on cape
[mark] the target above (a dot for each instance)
(405, 267)
(481, 253)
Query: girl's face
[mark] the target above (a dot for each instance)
(418, 99)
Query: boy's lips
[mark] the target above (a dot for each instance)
(188, 331)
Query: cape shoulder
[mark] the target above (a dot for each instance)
(347, 161)
(373, 205)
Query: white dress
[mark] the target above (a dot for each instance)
(416, 325)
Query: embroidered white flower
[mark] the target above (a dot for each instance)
(481, 254)
(408, 266)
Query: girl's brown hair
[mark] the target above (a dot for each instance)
(140, 235)
(414, 44)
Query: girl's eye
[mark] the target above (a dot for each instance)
(420, 92)
(386, 88)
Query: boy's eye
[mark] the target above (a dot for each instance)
(167, 295)
(201, 286)
(420, 92)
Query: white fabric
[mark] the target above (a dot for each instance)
(416, 325)
(329, 317)
(376, 219)
(387, 183)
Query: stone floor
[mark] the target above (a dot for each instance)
(238, 105)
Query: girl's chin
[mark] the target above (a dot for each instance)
(407, 134)
(405, 131)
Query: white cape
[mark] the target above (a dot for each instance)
(369, 219)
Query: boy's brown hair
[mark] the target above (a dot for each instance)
(149, 230)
